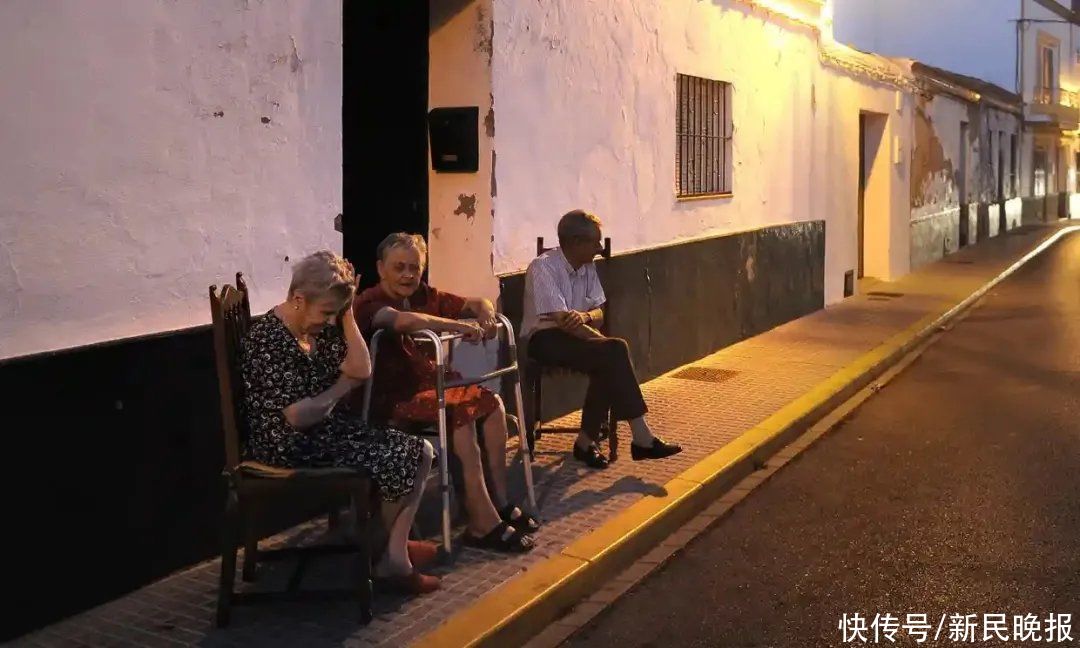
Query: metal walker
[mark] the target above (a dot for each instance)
(440, 431)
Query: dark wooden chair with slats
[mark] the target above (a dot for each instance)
(251, 486)
(535, 372)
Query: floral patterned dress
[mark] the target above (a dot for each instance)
(278, 373)
(404, 387)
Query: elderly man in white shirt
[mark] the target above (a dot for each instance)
(563, 307)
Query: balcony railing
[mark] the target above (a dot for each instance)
(1056, 96)
(1057, 106)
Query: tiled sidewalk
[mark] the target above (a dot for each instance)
(702, 410)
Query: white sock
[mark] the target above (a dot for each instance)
(643, 436)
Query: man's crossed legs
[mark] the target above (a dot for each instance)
(613, 387)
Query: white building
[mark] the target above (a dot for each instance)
(591, 104)
(151, 156)
(1029, 46)
(965, 162)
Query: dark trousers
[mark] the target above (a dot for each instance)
(613, 386)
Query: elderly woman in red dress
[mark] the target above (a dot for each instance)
(404, 390)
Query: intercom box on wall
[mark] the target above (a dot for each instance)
(455, 139)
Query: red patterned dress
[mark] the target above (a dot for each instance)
(404, 389)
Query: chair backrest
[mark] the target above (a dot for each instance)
(605, 253)
(230, 312)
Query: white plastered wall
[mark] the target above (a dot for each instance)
(585, 96)
(154, 148)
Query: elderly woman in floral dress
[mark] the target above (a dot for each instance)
(298, 362)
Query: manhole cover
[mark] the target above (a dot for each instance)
(705, 374)
(885, 294)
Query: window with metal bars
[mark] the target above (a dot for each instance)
(702, 137)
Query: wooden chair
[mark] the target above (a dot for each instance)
(535, 372)
(251, 485)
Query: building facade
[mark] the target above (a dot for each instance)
(965, 182)
(748, 168)
(721, 143)
(1031, 47)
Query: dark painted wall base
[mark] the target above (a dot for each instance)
(112, 477)
(1046, 209)
(1033, 210)
(982, 221)
(679, 303)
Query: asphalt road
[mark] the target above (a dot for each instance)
(955, 490)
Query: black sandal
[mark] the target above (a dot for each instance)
(523, 520)
(503, 537)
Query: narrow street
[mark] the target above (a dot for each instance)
(956, 490)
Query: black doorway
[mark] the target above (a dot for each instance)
(384, 126)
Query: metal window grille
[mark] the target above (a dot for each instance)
(703, 137)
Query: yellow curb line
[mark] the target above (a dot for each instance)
(514, 611)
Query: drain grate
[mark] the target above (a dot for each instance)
(705, 374)
(887, 295)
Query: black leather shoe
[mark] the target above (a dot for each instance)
(591, 457)
(658, 450)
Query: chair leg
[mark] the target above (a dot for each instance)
(538, 421)
(229, 525)
(251, 541)
(613, 438)
(361, 519)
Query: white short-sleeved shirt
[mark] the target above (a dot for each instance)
(552, 285)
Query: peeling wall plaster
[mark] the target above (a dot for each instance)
(153, 149)
(461, 204)
(933, 178)
(935, 187)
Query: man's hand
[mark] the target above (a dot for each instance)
(570, 320)
(575, 323)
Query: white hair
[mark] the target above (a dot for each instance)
(403, 240)
(323, 274)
